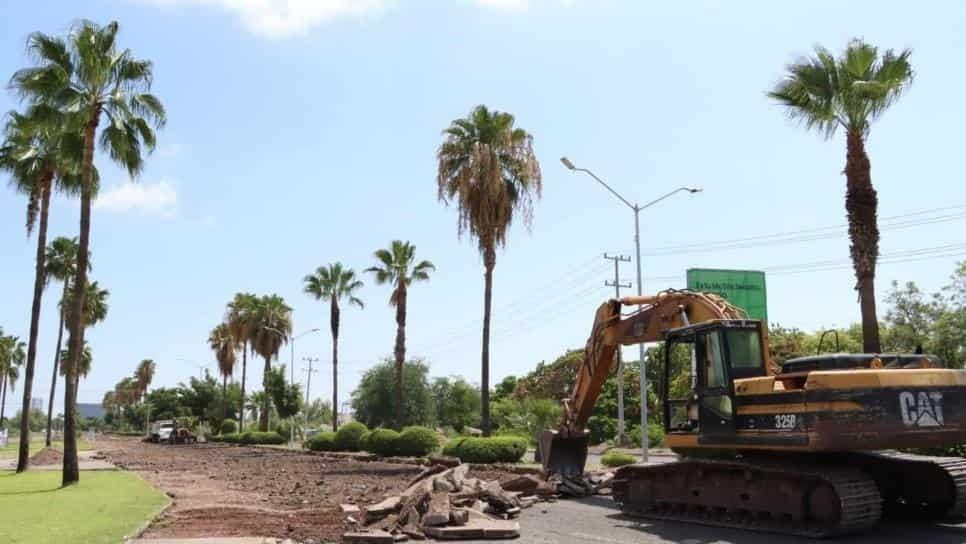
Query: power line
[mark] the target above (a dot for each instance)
(912, 255)
(807, 235)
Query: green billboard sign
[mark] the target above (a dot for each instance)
(743, 288)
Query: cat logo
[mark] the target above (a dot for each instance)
(921, 409)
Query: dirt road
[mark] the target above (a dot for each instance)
(224, 490)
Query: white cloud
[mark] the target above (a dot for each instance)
(504, 5)
(157, 199)
(281, 18)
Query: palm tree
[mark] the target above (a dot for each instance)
(273, 326)
(240, 319)
(11, 359)
(397, 267)
(488, 168)
(143, 375)
(222, 343)
(334, 283)
(89, 75)
(37, 152)
(84, 367)
(95, 310)
(60, 262)
(850, 92)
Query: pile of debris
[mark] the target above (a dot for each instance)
(591, 483)
(445, 503)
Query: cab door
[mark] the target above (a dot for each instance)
(715, 399)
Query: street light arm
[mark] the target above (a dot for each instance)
(672, 193)
(608, 187)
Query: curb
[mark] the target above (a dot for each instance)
(155, 517)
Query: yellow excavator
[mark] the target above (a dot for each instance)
(807, 448)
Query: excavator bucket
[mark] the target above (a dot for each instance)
(562, 455)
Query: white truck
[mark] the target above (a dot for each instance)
(169, 432)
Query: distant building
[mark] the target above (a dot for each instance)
(90, 410)
(37, 403)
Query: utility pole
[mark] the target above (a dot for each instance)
(617, 284)
(308, 382)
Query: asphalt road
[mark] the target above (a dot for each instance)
(597, 520)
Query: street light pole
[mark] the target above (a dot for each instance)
(640, 280)
(291, 380)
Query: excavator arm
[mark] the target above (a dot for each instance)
(564, 451)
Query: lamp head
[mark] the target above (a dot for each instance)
(566, 162)
(693, 190)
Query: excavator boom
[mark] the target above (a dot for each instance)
(564, 451)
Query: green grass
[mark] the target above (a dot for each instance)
(104, 507)
(37, 444)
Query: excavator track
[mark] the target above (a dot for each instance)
(801, 499)
(916, 487)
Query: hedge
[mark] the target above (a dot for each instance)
(495, 449)
(417, 441)
(324, 441)
(655, 435)
(384, 442)
(229, 426)
(364, 441)
(617, 459)
(349, 436)
(250, 438)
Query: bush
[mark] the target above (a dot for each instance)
(284, 429)
(495, 449)
(364, 441)
(229, 426)
(324, 441)
(349, 436)
(655, 435)
(256, 437)
(617, 459)
(602, 429)
(383, 442)
(417, 441)
(231, 438)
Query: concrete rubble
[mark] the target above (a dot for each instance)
(444, 503)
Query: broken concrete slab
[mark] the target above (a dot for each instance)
(476, 528)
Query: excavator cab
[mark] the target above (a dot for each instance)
(701, 363)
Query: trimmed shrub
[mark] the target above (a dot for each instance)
(364, 441)
(495, 449)
(231, 438)
(349, 436)
(229, 426)
(655, 435)
(258, 437)
(383, 442)
(617, 459)
(417, 442)
(284, 429)
(324, 441)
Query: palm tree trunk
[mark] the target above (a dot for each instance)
(23, 457)
(75, 343)
(53, 380)
(3, 394)
(224, 397)
(241, 408)
(334, 322)
(263, 420)
(400, 352)
(861, 204)
(489, 261)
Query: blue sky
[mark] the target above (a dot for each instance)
(306, 134)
